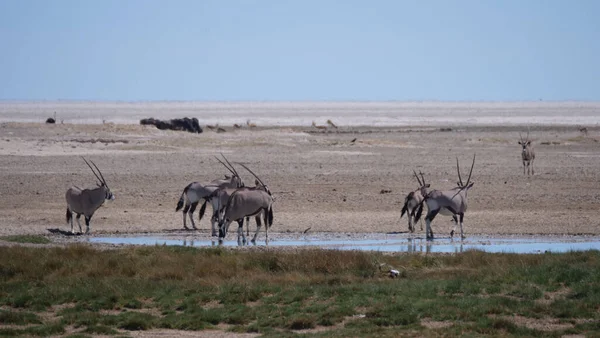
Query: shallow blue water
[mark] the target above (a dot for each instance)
(394, 244)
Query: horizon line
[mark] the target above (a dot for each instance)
(289, 101)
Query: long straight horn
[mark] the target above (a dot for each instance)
(527, 140)
(225, 165)
(422, 177)
(99, 172)
(232, 167)
(471, 171)
(521, 137)
(418, 180)
(92, 169)
(259, 180)
(458, 170)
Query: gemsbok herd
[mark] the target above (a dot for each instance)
(232, 201)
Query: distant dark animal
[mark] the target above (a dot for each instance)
(186, 124)
(237, 126)
(220, 130)
(583, 130)
(51, 120)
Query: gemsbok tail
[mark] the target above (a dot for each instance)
(69, 215)
(405, 207)
(419, 212)
(202, 209)
(181, 201)
(269, 221)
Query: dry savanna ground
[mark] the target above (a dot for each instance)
(346, 180)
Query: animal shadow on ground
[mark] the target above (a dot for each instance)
(64, 233)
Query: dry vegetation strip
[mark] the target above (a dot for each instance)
(49, 291)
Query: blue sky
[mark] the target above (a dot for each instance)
(447, 50)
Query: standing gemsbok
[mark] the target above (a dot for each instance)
(86, 201)
(453, 202)
(194, 192)
(412, 201)
(245, 203)
(527, 153)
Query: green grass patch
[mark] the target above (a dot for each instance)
(283, 293)
(33, 239)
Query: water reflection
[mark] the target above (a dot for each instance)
(385, 244)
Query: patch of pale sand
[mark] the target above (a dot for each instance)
(435, 324)
(550, 297)
(181, 333)
(541, 324)
(345, 153)
(561, 198)
(147, 310)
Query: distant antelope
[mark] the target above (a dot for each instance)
(320, 127)
(212, 127)
(244, 203)
(86, 201)
(527, 154)
(250, 124)
(448, 202)
(411, 203)
(221, 130)
(583, 130)
(194, 192)
(237, 126)
(329, 122)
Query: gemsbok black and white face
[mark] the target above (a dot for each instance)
(108, 194)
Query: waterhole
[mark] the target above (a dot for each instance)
(379, 242)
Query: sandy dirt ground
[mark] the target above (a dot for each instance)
(344, 180)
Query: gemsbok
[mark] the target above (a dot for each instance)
(527, 154)
(219, 201)
(320, 127)
(244, 203)
(448, 202)
(86, 201)
(194, 192)
(411, 203)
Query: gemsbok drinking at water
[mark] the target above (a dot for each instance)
(248, 202)
(448, 202)
(527, 153)
(194, 192)
(86, 201)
